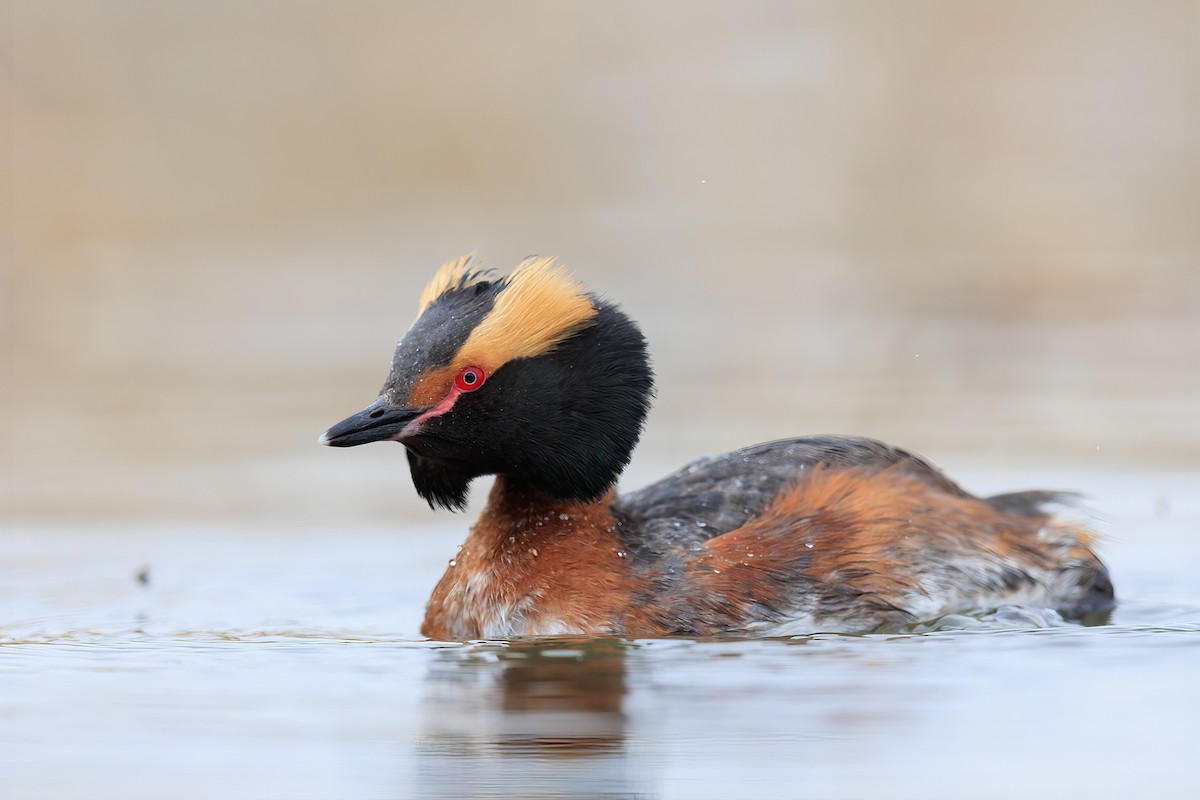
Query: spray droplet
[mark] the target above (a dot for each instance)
(808, 545)
(454, 562)
(533, 551)
(564, 517)
(621, 554)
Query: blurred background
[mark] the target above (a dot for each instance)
(972, 229)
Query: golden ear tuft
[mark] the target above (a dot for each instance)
(457, 274)
(540, 306)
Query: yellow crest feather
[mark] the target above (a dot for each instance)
(539, 308)
(458, 273)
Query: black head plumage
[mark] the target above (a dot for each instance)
(561, 418)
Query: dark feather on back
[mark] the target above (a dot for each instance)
(715, 495)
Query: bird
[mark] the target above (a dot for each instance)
(536, 380)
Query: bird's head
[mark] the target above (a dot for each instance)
(526, 375)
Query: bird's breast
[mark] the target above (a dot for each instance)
(534, 567)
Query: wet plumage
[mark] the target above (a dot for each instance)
(531, 378)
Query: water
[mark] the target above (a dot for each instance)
(251, 662)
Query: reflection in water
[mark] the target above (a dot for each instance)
(544, 719)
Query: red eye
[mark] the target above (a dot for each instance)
(470, 379)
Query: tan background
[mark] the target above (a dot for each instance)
(969, 228)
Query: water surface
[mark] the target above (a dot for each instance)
(243, 661)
